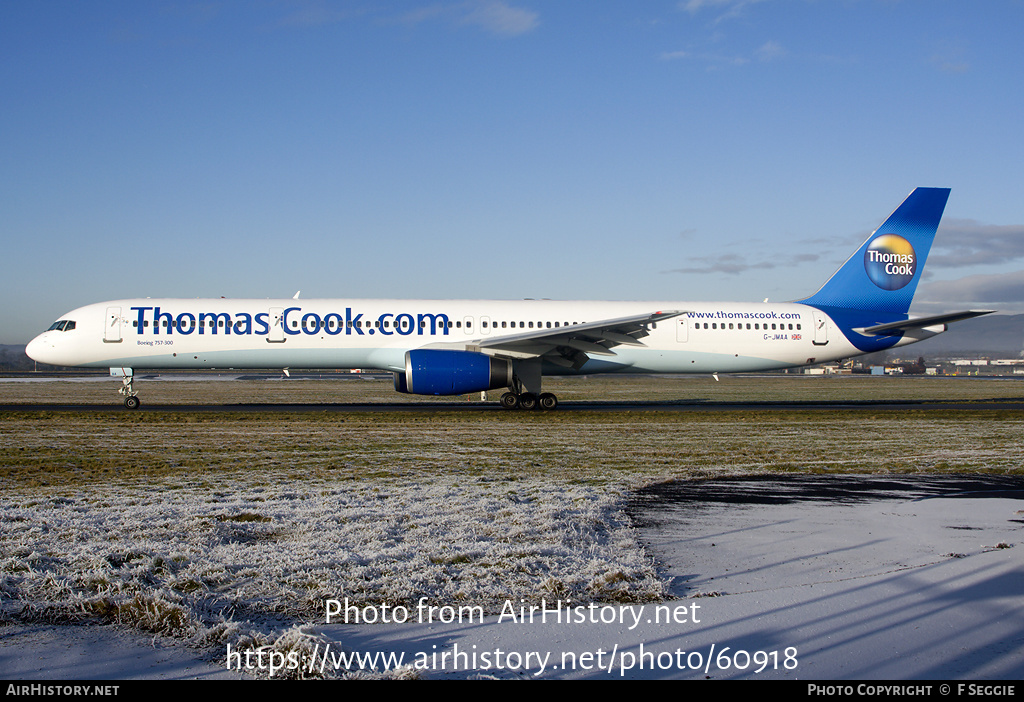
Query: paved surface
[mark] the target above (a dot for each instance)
(463, 406)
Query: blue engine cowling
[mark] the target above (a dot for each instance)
(444, 372)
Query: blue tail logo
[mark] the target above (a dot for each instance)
(883, 275)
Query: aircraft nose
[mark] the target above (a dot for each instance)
(40, 349)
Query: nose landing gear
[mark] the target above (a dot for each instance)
(131, 397)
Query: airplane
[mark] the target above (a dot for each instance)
(452, 347)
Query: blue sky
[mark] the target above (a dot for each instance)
(695, 150)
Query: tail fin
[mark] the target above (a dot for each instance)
(883, 275)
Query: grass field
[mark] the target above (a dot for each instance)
(233, 526)
(353, 388)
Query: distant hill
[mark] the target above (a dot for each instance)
(992, 335)
(13, 358)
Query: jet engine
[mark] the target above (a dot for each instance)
(447, 372)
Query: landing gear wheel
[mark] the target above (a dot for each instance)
(131, 402)
(548, 401)
(509, 400)
(527, 401)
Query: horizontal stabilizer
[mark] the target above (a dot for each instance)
(921, 322)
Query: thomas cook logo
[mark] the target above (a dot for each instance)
(890, 262)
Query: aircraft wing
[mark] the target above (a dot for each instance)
(920, 322)
(572, 346)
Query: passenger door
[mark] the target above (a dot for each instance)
(112, 326)
(276, 335)
(820, 328)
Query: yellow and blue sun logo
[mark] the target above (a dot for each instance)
(890, 262)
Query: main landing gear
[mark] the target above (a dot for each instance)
(529, 401)
(525, 393)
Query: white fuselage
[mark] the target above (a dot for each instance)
(324, 333)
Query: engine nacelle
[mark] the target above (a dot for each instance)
(445, 372)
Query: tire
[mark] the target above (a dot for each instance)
(548, 401)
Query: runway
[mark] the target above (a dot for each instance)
(1012, 405)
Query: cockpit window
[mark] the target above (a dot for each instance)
(62, 325)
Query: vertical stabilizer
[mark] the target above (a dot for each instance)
(883, 275)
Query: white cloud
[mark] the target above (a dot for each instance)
(734, 264)
(976, 289)
(494, 16)
(711, 60)
(316, 13)
(949, 58)
(966, 242)
(732, 8)
(500, 18)
(770, 51)
(673, 55)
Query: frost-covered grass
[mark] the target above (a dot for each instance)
(237, 528)
(222, 565)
